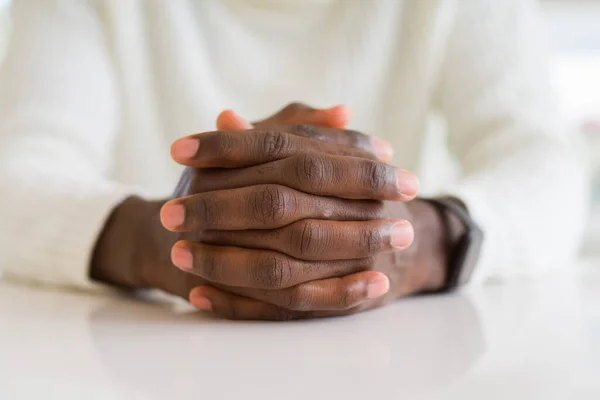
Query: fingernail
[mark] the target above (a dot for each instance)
(202, 303)
(182, 257)
(378, 287)
(383, 150)
(185, 148)
(402, 235)
(172, 215)
(407, 183)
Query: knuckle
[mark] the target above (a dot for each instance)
(309, 238)
(375, 176)
(296, 299)
(206, 211)
(275, 144)
(371, 240)
(346, 297)
(273, 271)
(272, 204)
(311, 171)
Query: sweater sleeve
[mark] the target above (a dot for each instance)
(58, 122)
(523, 178)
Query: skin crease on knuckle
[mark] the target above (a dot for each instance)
(311, 172)
(288, 299)
(344, 294)
(310, 239)
(274, 144)
(376, 177)
(299, 299)
(272, 203)
(372, 240)
(272, 271)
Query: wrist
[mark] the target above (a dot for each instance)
(435, 236)
(129, 245)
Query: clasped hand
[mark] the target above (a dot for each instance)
(291, 217)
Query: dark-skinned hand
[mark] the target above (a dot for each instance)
(323, 251)
(274, 224)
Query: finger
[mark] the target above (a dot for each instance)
(260, 207)
(252, 268)
(335, 117)
(231, 149)
(338, 294)
(228, 120)
(236, 307)
(347, 138)
(293, 114)
(322, 240)
(320, 174)
(298, 113)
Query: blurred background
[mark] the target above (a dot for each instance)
(573, 28)
(573, 31)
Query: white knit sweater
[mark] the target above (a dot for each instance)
(92, 93)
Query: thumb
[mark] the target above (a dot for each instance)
(228, 120)
(336, 117)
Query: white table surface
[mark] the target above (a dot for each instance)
(524, 340)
